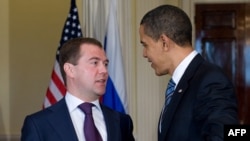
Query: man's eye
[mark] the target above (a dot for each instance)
(106, 64)
(94, 62)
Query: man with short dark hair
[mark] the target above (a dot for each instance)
(83, 64)
(200, 99)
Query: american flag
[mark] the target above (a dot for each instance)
(72, 29)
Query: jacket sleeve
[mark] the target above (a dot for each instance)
(216, 106)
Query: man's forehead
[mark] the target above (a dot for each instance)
(93, 51)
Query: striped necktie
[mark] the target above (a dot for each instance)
(169, 92)
(168, 96)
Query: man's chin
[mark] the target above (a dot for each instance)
(159, 73)
(101, 93)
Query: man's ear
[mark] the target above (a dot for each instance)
(165, 41)
(69, 69)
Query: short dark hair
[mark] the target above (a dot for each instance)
(70, 52)
(168, 20)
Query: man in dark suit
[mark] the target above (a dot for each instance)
(203, 99)
(83, 64)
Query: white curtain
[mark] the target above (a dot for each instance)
(95, 17)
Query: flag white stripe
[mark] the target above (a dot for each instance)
(46, 102)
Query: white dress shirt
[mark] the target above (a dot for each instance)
(77, 116)
(178, 72)
(181, 68)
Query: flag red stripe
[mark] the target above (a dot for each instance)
(51, 97)
(58, 83)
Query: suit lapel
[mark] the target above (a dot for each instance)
(169, 114)
(112, 122)
(61, 121)
(178, 94)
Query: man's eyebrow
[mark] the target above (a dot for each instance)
(94, 58)
(97, 58)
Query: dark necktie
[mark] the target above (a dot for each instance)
(169, 92)
(168, 96)
(90, 131)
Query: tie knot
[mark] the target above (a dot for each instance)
(86, 108)
(171, 83)
(171, 86)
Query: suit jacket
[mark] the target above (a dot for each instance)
(203, 102)
(55, 124)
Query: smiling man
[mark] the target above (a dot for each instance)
(200, 99)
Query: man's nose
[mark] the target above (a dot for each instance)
(103, 68)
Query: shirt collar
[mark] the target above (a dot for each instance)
(73, 102)
(181, 68)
